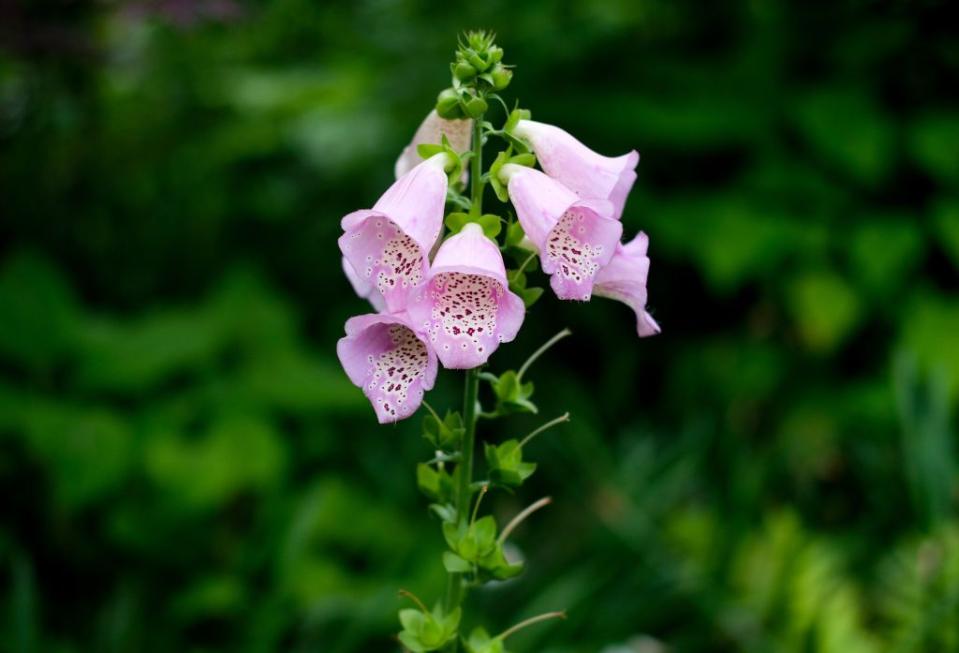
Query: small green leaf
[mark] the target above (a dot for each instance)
(455, 564)
(498, 186)
(514, 117)
(412, 620)
(514, 234)
(491, 224)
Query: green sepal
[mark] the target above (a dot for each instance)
(514, 234)
(428, 631)
(437, 484)
(456, 164)
(445, 511)
(491, 224)
(498, 186)
(474, 542)
(514, 117)
(506, 156)
(444, 435)
(448, 105)
(455, 564)
(475, 107)
(495, 566)
(511, 395)
(506, 464)
(480, 642)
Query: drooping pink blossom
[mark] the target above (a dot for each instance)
(575, 237)
(363, 288)
(585, 172)
(624, 279)
(466, 308)
(391, 363)
(431, 132)
(389, 245)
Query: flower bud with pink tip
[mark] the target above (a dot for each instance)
(431, 132)
(585, 172)
(389, 245)
(466, 308)
(575, 237)
(624, 279)
(389, 361)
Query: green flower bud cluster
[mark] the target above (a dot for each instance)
(477, 70)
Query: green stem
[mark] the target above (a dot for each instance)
(455, 591)
(476, 170)
(539, 352)
(454, 587)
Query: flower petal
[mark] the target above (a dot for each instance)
(383, 256)
(388, 245)
(579, 168)
(363, 288)
(431, 132)
(389, 361)
(575, 237)
(624, 279)
(466, 308)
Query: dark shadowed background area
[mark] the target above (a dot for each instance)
(185, 467)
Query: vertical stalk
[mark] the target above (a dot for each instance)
(476, 169)
(454, 589)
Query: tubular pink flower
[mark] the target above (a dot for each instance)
(389, 361)
(465, 307)
(575, 237)
(363, 288)
(624, 279)
(431, 132)
(389, 245)
(588, 174)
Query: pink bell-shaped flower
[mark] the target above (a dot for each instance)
(389, 245)
(466, 308)
(431, 132)
(624, 279)
(588, 174)
(363, 288)
(575, 237)
(389, 361)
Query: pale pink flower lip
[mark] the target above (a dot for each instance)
(388, 245)
(624, 279)
(431, 132)
(585, 172)
(389, 361)
(465, 308)
(575, 237)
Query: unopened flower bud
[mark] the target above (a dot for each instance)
(495, 54)
(476, 61)
(448, 104)
(464, 72)
(501, 77)
(476, 107)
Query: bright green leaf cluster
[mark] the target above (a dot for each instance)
(506, 465)
(512, 395)
(477, 71)
(443, 435)
(428, 631)
(491, 224)
(475, 550)
(480, 642)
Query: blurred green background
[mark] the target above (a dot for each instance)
(184, 466)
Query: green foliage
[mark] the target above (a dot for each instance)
(428, 631)
(505, 463)
(185, 467)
